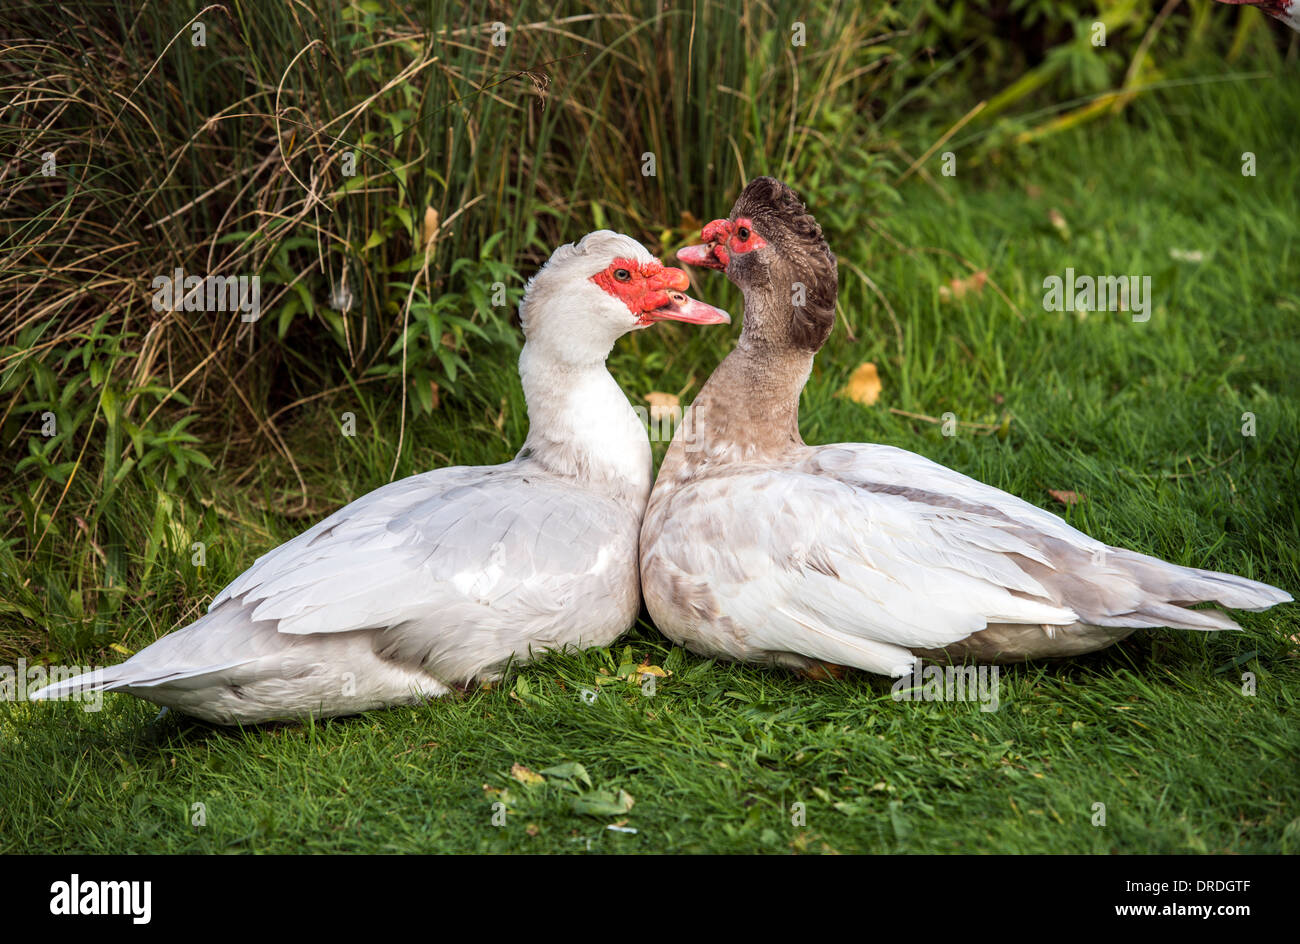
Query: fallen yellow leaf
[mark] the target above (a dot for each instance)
(1066, 497)
(864, 385)
(643, 670)
(662, 404)
(526, 776)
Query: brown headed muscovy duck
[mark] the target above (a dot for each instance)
(758, 547)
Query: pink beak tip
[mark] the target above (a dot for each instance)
(685, 309)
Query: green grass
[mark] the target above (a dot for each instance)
(1144, 419)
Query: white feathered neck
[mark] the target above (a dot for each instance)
(581, 426)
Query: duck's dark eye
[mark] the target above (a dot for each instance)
(743, 234)
(623, 275)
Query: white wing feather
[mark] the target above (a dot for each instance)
(463, 550)
(814, 566)
(858, 554)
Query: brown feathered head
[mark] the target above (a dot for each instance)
(774, 250)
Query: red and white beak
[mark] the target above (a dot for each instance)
(712, 254)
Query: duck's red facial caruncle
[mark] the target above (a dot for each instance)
(722, 240)
(655, 292)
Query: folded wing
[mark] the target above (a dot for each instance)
(862, 553)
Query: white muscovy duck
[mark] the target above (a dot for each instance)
(758, 547)
(437, 581)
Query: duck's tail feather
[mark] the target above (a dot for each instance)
(1184, 586)
(97, 680)
(1238, 593)
(129, 676)
(1169, 589)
